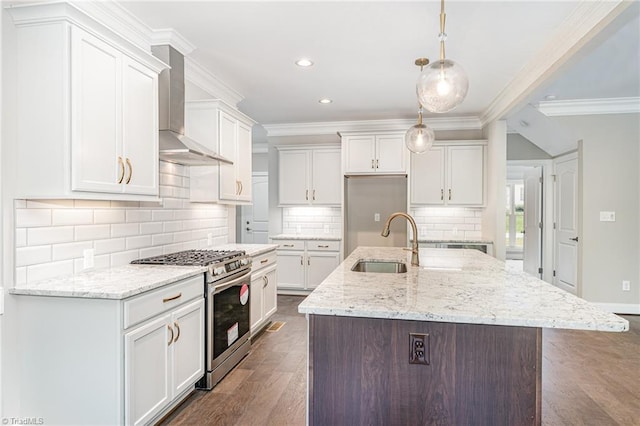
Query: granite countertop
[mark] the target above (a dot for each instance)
(463, 286)
(110, 283)
(252, 250)
(325, 237)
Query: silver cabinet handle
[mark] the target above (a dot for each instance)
(175, 324)
(313, 197)
(574, 239)
(263, 261)
(449, 194)
(322, 246)
(170, 338)
(265, 280)
(373, 163)
(241, 188)
(301, 260)
(441, 194)
(287, 245)
(306, 195)
(377, 164)
(308, 261)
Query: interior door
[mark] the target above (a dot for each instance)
(566, 235)
(255, 218)
(532, 215)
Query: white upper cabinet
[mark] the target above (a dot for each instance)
(370, 153)
(226, 131)
(309, 176)
(90, 128)
(451, 175)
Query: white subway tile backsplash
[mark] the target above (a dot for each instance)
(71, 217)
(44, 271)
(138, 242)
(124, 229)
(151, 228)
(32, 255)
(109, 216)
(448, 223)
(70, 250)
(52, 234)
(49, 235)
(138, 215)
(21, 237)
(92, 232)
(311, 220)
(124, 257)
(111, 245)
(27, 218)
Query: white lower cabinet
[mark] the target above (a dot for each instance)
(163, 359)
(303, 264)
(112, 361)
(264, 295)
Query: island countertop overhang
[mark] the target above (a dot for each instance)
(457, 286)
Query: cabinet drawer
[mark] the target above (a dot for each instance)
(291, 245)
(264, 260)
(148, 305)
(313, 245)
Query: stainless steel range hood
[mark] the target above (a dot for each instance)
(175, 147)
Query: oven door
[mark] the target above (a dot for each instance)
(229, 318)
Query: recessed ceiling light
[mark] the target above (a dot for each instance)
(550, 97)
(304, 62)
(325, 101)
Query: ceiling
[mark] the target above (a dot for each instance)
(364, 53)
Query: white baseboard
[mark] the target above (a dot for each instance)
(620, 308)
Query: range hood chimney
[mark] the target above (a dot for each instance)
(175, 147)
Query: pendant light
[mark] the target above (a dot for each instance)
(443, 85)
(419, 138)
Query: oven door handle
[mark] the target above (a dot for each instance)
(234, 282)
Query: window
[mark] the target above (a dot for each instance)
(515, 215)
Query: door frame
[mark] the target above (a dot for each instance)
(548, 208)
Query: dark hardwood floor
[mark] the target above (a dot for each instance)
(588, 378)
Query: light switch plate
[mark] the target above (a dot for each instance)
(376, 217)
(607, 216)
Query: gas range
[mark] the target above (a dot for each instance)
(220, 264)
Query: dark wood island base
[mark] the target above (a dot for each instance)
(359, 373)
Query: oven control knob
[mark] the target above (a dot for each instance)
(219, 270)
(244, 262)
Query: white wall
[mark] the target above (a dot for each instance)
(521, 148)
(610, 153)
(493, 218)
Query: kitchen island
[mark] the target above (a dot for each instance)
(474, 329)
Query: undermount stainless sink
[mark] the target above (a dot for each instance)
(380, 266)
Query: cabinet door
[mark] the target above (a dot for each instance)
(243, 162)
(293, 178)
(465, 175)
(256, 307)
(291, 269)
(326, 177)
(391, 154)
(147, 386)
(140, 128)
(188, 345)
(270, 292)
(96, 114)
(319, 266)
(228, 126)
(427, 177)
(359, 154)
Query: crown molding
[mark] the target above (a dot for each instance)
(589, 106)
(580, 27)
(333, 127)
(201, 77)
(174, 39)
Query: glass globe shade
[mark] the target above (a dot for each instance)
(442, 86)
(419, 138)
